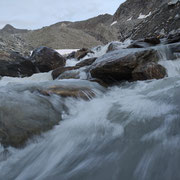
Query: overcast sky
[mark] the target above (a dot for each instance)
(33, 14)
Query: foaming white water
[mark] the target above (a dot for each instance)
(101, 50)
(71, 62)
(171, 61)
(101, 137)
(172, 67)
(39, 77)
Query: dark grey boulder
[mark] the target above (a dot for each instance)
(47, 59)
(14, 65)
(114, 67)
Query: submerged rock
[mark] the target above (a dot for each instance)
(75, 92)
(24, 114)
(114, 67)
(47, 59)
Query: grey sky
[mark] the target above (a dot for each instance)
(34, 14)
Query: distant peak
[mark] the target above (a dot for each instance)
(12, 30)
(8, 27)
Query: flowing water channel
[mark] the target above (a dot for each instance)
(130, 132)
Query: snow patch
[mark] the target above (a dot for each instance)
(65, 51)
(115, 22)
(129, 19)
(141, 16)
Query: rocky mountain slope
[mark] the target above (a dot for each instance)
(141, 18)
(133, 19)
(88, 33)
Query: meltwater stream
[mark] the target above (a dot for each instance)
(131, 132)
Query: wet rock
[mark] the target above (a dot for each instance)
(82, 53)
(173, 38)
(139, 44)
(152, 40)
(113, 46)
(14, 65)
(74, 92)
(71, 55)
(173, 2)
(60, 70)
(72, 74)
(24, 115)
(114, 67)
(86, 62)
(149, 71)
(174, 48)
(144, 43)
(17, 69)
(47, 59)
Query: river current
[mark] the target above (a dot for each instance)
(129, 132)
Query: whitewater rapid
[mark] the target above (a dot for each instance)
(130, 132)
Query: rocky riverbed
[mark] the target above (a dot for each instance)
(99, 68)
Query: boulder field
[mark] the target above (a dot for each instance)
(119, 63)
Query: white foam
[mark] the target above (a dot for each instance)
(38, 77)
(71, 62)
(172, 67)
(65, 51)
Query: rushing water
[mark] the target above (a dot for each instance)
(131, 132)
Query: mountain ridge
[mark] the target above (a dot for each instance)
(133, 19)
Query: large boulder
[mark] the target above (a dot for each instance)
(149, 70)
(29, 110)
(115, 67)
(23, 114)
(47, 59)
(14, 65)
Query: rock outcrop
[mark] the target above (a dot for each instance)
(164, 20)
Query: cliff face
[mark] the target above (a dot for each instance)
(163, 21)
(133, 8)
(142, 18)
